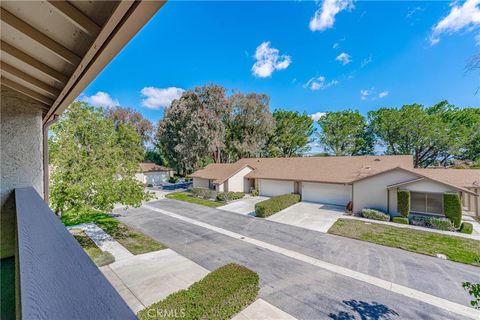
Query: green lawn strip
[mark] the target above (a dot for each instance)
(220, 295)
(455, 248)
(135, 242)
(187, 197)
(101, 258)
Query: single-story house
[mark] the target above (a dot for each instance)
(153, 174)
(365, 181)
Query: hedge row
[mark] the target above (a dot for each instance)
(203, 193)
(220, 295)
(403, 202)
(466, 227)
(375, 215)
(230, 195)
(402, 220)
(273, 205)
(452, 208)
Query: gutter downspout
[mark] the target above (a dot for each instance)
(46, 174)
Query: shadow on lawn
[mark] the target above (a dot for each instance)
(365, 311)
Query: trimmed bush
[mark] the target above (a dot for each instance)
(220, 295)
(441, 224)
(402, 220)
(420, 221)
(203, 193)
(466, 227)
(230, 195)
(403, 202)
(375, 215)
(172, 179)
(254, 193)
(452, 208)
(270, 206)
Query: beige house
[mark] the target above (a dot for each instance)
(51, 51)
(153, 174)
(363, 181)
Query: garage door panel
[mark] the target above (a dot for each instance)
(337, 194)
(272, 188)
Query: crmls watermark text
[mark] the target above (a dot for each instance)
(156, 313)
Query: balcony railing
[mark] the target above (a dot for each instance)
(57, 279)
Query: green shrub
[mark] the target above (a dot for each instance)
(203, 193)
(403, 202)
(172, 179)
(441, 224)
(420, 221)
(270, 206)
(230, 195)
(220, 295)
(452, 208)
(375, 215)
(466, 227)
(402, 220)
(254, 193)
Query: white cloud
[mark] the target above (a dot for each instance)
(317, 115)
(318, 83)
(269, 60)
(101, 99)
(370, 94)
(335, 45)
(324, 17)
(413, 11)
(383, 94)
(465, 16)
(344, 58)
(366, 61)
(157, 98)
(365, 93)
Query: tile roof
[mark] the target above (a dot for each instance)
(466, 178)
(152, 167)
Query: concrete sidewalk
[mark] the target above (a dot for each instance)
(150, 277)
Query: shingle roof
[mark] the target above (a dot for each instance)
(219, 172)
(152, 167)
(324, 169)
(467, 178)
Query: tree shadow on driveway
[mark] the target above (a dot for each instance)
(364, 311)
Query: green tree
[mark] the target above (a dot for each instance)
(345, 133)
(134, 118)
(183, 134)
(93, 161)
(249, 125)
(432, 135)
(291, 134)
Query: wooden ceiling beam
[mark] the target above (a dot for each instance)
(77, 17)
(39, 37)
(26, 91)
(40, 66)
(28, 78)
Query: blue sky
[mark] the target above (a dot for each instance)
(307, 56)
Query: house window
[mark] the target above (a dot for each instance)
(211, 186)
(423, 202)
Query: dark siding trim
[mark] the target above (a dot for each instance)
(57, 278)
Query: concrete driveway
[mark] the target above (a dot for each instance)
(244, 206)
(309, 215)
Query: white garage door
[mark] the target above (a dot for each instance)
(272, 188)
(338, 194)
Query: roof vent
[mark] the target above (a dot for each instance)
(376, 159)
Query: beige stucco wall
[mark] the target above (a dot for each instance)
(372, 192)
(236, 182)
(200, 183)
(21, 162)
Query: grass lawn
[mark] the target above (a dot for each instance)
(98, 256)
(455, 248)
(220, 295)
(135, 242)
(187, 197)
